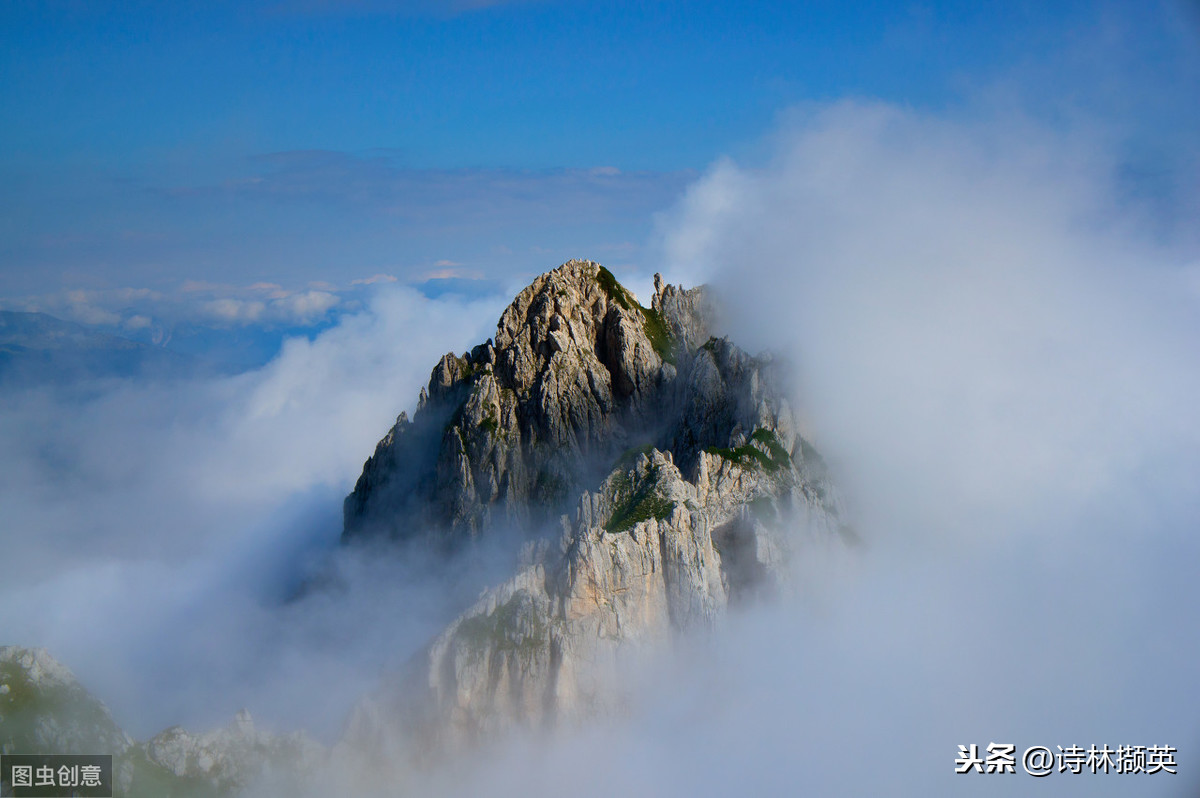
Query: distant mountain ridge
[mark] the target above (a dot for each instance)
(36, 348)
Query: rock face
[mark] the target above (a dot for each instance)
(691, 487)
(509, 432)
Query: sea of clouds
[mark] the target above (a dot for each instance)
(994, 346)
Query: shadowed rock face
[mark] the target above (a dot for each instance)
(690, 485)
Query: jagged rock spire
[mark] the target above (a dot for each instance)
(510, 431)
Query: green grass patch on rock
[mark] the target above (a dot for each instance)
(550, 488)
(26, 705)
(659, 335)
(655, 328)
(630, 455)
(747, 456)
(616, 292)
(811, 455)
(513, 626)
(632, 507)
(490, 425)
(780, 456)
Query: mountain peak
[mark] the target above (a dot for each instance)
(511, 430)
(666, 462)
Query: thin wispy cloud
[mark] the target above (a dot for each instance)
(383, 183)
(132, 309)
(375, 278)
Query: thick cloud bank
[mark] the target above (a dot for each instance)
(980, 324)
(158, 526)
(1001, 354)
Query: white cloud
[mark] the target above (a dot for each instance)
(170, 517)
(281, 306)
(198, 302)
(971, 309)
(306, 307)
(80, 306)
(137, 322)
(271, 290)
(450, 272)
(234, 310)
(998, 356)
(377, 278)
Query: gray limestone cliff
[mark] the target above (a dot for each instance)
(668, 462)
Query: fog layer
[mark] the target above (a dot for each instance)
(992, 346)
(156, 528)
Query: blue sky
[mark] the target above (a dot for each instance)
(524, 85)
(302, 143)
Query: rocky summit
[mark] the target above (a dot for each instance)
(668, 463)
(509, 432)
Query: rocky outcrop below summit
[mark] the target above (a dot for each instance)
(650, 555)
(692, 490)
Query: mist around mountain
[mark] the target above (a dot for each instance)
(996, 360)
(587, 398)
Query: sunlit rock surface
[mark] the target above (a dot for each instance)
(510, 432)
